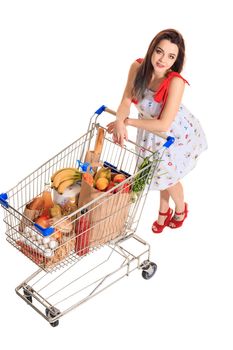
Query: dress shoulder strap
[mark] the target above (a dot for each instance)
(176, 74)
(162, 92)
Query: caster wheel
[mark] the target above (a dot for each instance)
(149, 271)
(52, 313)
(27, 295)
(54, 324)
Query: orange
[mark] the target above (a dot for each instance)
(102, 183)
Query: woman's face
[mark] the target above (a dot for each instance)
(164, 56)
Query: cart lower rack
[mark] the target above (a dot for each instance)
(54, 295)
(80, 230)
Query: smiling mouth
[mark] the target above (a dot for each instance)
(160, 65)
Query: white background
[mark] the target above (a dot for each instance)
(61, 60)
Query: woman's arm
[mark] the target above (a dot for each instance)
(124, 107)
(119, 128)
(175, 93)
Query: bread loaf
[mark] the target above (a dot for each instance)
(99, 141)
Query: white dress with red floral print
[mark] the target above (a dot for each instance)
(181, 157)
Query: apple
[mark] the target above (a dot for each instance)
(126, 188)
(119, 178)
(42, 221)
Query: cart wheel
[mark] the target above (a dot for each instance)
(149, 271)
(27, 295)
(52, 313)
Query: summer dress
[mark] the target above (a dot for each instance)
(190, 141)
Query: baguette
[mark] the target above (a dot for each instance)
(99, 141)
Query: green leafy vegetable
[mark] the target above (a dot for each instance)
(144, 177)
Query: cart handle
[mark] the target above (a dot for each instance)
(170, 140)
(3, 200)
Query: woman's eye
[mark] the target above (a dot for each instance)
(158, 51)
(172, 57)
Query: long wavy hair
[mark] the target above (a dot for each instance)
(145, 70)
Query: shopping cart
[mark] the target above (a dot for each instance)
(69, 273)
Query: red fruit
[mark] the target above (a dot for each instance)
(123, 189)
(42, 221)
(119, 178)
(126, 188)
(111, 185)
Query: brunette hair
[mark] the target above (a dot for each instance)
(145, 70)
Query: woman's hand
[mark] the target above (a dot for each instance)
(119, 131)
(110, 127)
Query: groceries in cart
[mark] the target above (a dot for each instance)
(74, 230)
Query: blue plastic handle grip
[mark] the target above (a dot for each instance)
(100, 110)
(169, 142)
(45, 231)
(3, 200)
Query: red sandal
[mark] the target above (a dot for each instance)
(179, 223)
(159, 228)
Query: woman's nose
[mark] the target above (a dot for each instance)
(162, 59)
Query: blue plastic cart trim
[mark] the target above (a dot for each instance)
(169, 142)
(115, 170)
(100, 110)
(45, 231)
(84, 166)
(3, 200)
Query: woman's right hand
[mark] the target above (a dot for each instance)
(119, 131)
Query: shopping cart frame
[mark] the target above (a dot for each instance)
(129, 261)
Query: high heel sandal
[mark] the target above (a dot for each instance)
(157, 228)
(179, 223)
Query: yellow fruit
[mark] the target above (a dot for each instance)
(60, 170)
(55, 211)
(103, 172)
(64, 184)
(102, 183)
(64, 175)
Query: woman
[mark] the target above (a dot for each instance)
(156, 88)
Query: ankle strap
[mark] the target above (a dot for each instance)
(185, 210)
(165, 214)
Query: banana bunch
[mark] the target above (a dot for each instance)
(64, 178)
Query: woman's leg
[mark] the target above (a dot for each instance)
(163, 208)
(164, 205)
(177, 194)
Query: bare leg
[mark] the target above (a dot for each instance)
(163, 207)
(177, 194)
